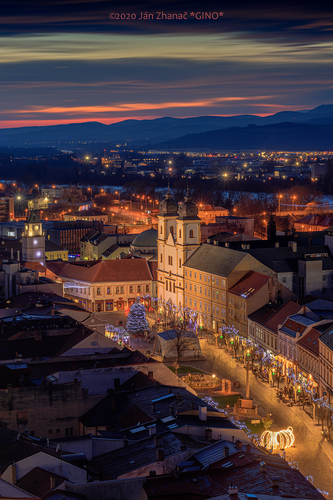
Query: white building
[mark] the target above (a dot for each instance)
(178, 237)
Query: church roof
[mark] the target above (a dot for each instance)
(147, 238)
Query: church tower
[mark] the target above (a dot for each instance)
(33, 240)
(178, 238)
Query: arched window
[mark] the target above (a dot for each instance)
(180, 233)
(166, 285)
(172, 229)
(174, 288)
(191, 233)
(161, 230)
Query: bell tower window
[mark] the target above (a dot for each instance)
(191, 233)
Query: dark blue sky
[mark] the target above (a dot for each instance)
(66, 61)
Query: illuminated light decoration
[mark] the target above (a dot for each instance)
(38, 254)
(277, 440)
(35, 242)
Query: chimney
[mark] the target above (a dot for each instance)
(116, 384)
(52, 482)
(159, 454)
(232, 490)
(38, 334)
(225, 451)
(209, 434)
(203, 413)
(152, 430)
(275, 480)
(238, 444)
(157, 440)
(293, 245)
(13, 474)
(263, 467)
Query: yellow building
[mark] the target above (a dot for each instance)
(54, 251)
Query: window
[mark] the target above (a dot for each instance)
(190, 274)
(185, 285)
(108, 290)
(284, 279)
(131, 289)
(195, 288)
(69, 431)
(213, 294)
(213, 309)
(205, 278)
(172, 229)
(180, 233)
(200, 277)
(324, 277)
(208, 279)
(195, 304)
(213, 280)
(99, 291)
(200, 290)
(200, 305)
(139, 288)
(170, 260)
(174, 287)
(195, 276)
(185, 272)
(180, 262)
(217, 311)
(217, 282)
(217, 295)
(206, 291)
(121, 289)
(109, 306)
(117, 289)
(191, 287)
(191, 233)
(166, 285)
(161, 229)
(161, 258)
(147, 288)
(190, 301)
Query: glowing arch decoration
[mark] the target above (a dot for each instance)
(276, 441)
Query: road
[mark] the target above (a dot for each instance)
(309, 454)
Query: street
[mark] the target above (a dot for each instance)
(311, 457)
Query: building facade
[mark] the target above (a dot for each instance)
(178, 237)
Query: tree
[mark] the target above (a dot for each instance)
(136, 320)
(181, 337)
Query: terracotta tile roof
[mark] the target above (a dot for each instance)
(104, 271)
(39, 481)
(310, 341)
(249, 285)
(287, 309)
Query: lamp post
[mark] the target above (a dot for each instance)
(279, 200)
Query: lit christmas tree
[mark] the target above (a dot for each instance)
(136, 320)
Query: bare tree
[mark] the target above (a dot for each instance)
(182, 338)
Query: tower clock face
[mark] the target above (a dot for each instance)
(36, 228)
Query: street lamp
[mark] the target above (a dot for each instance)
(279, 200)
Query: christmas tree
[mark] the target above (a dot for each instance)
(136, 320)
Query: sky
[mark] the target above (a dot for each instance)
(64, 61)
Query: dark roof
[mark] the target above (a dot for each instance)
(172, 335)
(247, 476)
(327, 337)
(50, 246)
(284, 260)
(38, 481)
(16, 451)
(138, 381)
(64, 495)
(135, 456)
(261, 315)
(127, 409)
(214, 259)
(153, 264)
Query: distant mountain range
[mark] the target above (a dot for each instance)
(285, 130)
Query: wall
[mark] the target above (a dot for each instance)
(50, 463)
(44, 410)
(120, 489)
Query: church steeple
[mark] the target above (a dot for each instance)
(33, 240)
